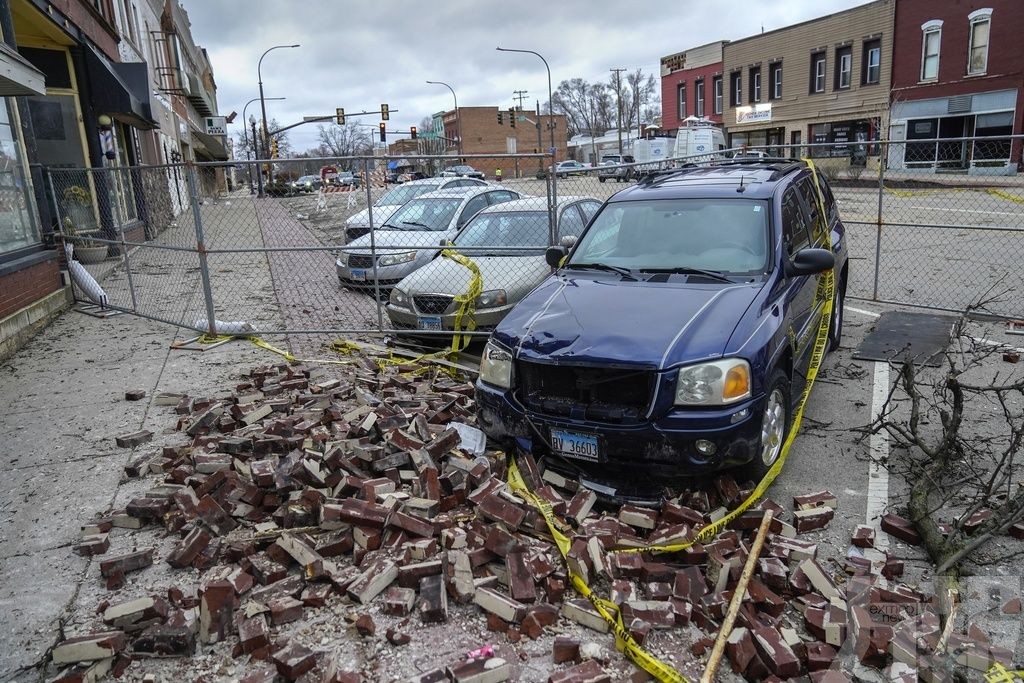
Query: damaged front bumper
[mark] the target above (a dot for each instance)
(643, 457)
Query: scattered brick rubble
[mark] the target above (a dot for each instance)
(298, 489)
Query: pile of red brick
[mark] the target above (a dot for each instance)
(296, 490)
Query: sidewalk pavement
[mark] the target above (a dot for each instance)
(63, 401)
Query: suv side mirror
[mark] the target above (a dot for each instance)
(568, 241)
(810, 262)
(445, 242)
(554, 255)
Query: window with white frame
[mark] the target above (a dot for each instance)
(844, 67)
(776, 79)
(871, 69)
(931, 41)
(681, 101)
(755, 84)
(736, 81)
(977, 52)
(717, 85)
(698, 88)
(818, 72)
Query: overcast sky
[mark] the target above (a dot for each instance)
(357, 55)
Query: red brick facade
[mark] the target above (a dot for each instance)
(1005, 68)
(671, 116)
(482, 134)
(26, 286)
(98, 24)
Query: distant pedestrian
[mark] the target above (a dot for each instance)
(497, 174)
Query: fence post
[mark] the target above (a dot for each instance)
(204, 270)
(878, 220)
(124, 247)
(552, 203)
(373, 245)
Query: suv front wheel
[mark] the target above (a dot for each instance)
(775, 424)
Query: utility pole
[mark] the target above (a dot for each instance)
(618, 94)
(540, 143)
(519, 95)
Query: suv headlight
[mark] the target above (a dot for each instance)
(492, 298)
(342, 259)
(399, 299)
(496, 366)
(716, 383)
(395, 259)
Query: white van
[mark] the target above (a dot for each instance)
(697, 137)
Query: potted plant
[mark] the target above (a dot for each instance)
(78, 205)
(87, 249)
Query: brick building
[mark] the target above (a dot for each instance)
(825, 80)
(959, 73)
(691, 85)
(483, 134)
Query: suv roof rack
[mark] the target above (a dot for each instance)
(650, 177)
(781, 166)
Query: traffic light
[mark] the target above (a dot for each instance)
(413, 131)
(512, 116)
(273, 148)
(385, 113)
(383, 133)
(501, 120)
(340, 116)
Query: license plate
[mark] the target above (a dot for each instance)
(358, 275)
(575, 445)
(430, 322)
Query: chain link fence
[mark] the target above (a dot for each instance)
(420, 246)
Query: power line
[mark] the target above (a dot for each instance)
(519, 95)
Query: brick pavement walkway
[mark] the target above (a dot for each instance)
(306, 282)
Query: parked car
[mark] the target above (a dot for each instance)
(611, 167)
(307, 183)
(406, 240)
(564, 169)
(425, 300)
(674, 339)
(410, 176)
(346, 179)
(358, 224)
(463, 171)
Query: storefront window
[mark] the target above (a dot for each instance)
(121, 187)
(59, 148)
(19, 225)
(990, 125)
(845, 139)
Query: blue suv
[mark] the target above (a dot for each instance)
(673, 339)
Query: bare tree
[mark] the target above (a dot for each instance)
(244, 143)
(589, 108)
(961, 471)
(344, 141)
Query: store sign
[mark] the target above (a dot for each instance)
(757, 113)
(216, 125)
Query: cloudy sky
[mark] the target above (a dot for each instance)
(357, 55)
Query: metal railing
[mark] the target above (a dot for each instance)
(363, 254)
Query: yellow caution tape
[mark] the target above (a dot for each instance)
(1000, 674)
(608, 610)
(207, 339)
(467, 301)
(288, 356)
(1005, 195)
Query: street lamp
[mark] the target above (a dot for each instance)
(263, 102)
(551, 110)
(551, 127)
(458, 116)
(245, 135)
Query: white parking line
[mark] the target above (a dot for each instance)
(878, 471)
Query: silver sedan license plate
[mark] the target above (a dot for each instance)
(576, 445)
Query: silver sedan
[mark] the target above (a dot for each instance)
(506, 242)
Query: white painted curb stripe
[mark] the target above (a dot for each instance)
(878, 472)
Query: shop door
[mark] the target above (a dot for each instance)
(953, 154)
(794, 139)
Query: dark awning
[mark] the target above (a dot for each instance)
(209, 146)
(18, 76)
(119, 90)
